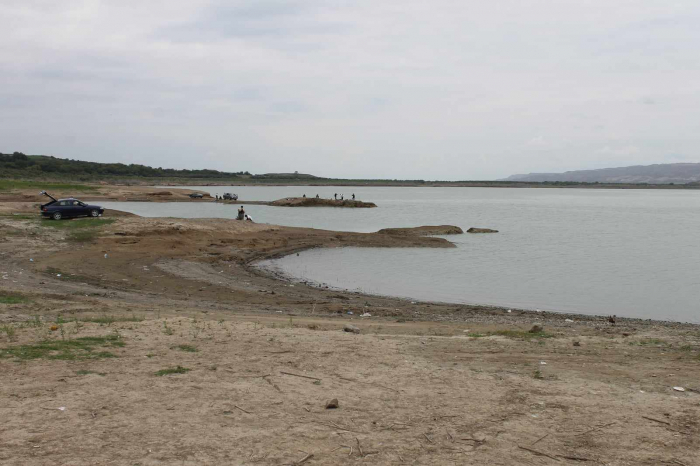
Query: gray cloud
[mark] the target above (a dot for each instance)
(398, 89)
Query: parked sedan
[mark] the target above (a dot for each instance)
(67, 208)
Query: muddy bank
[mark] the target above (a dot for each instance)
(185, 337)
(232, 247)
(423, 231)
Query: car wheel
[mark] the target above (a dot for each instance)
(95, 213)
(56, 216)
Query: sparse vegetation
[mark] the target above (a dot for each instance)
(77, 349)
(166, 329)
(109, 320)
(187, 348)
(80, 230)
(172, 370)
(10, 331)
(87, 372)
(17, 216)
(12, 298)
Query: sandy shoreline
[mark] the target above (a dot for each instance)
(423, 383)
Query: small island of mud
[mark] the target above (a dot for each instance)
(423, 231)
(319, 202)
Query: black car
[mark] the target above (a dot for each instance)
(66, 208)
(196, 195)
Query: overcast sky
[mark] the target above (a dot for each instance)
(373, 89)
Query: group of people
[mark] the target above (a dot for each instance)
(335, 196)
(243, 216)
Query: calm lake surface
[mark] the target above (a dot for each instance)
(633, 253)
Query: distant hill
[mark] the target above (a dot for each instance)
(18, 164)
(678, 173)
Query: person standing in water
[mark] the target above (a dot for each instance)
(353, 196)
(335, 196)
(241, 213)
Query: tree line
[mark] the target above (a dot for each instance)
(19, 164)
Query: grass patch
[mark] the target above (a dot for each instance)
(19, 216)
(10, 331)
(67, 350)
(166, 329)
(172, 370)
(109, 320)
(10, 185)
(80, 230)
(87, 372)
(12, 298)
(187, 348)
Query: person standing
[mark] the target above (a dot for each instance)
(353, 196)
(335, 196)
(241, 213)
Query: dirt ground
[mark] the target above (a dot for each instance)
(88, 324)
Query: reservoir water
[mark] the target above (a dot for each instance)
(632, 253)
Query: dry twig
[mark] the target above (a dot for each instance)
(238, 407)
(597, 428)
(274, 385)
(297, 375)
(539, 439)
(336, 426)
(359, 447)
(657, 420)
(304, 459)
(538, 453)
(367, 383)
(575, 458)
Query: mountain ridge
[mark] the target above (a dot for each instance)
(661, 173)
